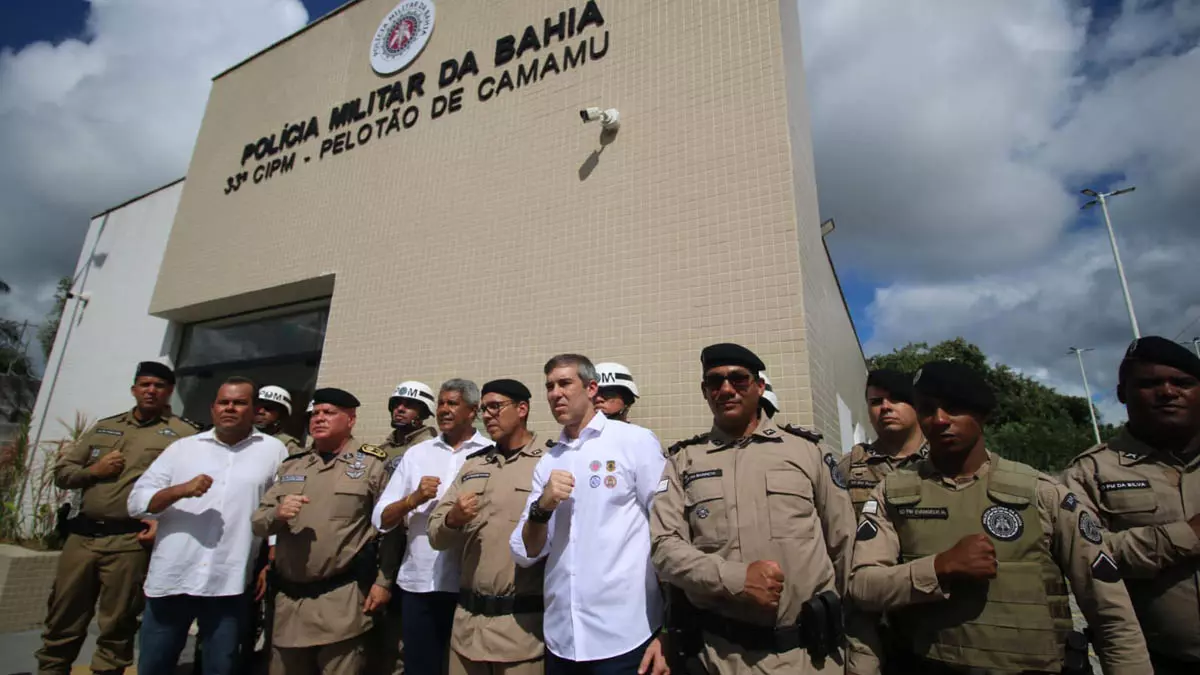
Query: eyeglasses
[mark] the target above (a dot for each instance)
(494, 407)
(738, 379)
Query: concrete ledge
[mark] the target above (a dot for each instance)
(26, 578)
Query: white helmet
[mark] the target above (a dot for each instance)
(414, 391)
(276, 395)
(616, 375)
(769, 394)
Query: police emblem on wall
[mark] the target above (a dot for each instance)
(1003, 523)
(401, 36)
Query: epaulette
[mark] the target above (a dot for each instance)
(802, 433)
(373, 451)
(1095, 449)
(694, 440)
(112, 417)
(296, 455)
(480, 453)
(191, 423)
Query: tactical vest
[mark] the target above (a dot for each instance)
(1015, 622)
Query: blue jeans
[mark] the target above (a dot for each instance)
(165, 626)
(621, 664)
(426, 620)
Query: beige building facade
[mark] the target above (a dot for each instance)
(458, 219)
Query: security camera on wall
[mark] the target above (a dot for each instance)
(609, 119)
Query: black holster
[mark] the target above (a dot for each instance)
(822, 624)
(683, 638)
(1075, 655)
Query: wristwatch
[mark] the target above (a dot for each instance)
(539, 515)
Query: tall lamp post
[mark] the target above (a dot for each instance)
(1087, 391)
(1101, 199)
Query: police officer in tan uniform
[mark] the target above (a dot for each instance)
(966, 551)
(899, 441)
(752, 521)
(325, 563)
(1145, 484)
(272, 410)
(498, 623)
(410, 404)
(770, 400)
(105, 556)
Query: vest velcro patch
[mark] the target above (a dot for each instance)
(866, 531)
(472, 476)
(1124, 485)
(296, 478)
(923, 512)
(1105, 569)
(1003, 523)
(689, 478)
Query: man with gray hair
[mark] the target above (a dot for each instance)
(428, 579)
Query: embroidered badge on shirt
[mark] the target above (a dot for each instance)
(355, 473)
(702, 512)
(1003, 523)
(1070, 502)
(1124, 485)
(293, 478)
(923, 512)
(871, 507)
(1089, 528)
(610, 482)
(96, 450)
(662, 486)
(594, 481)
(610, 466)
(838, 479)
(168, 432)
(689, 478)
(110, 432)
(595, 465)
(1104, 568)
(866, 531)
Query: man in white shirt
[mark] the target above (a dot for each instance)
(603, 607)
(429, 579)
(202, 490)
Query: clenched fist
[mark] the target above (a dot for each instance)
(197, 486)
(557, 489)
(289, 507)
(764, 583)
(465, 508)
(973, 557)
(109, 465)
(426, 490)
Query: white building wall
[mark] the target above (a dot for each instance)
(100, 341)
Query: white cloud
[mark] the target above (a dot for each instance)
(89, 122)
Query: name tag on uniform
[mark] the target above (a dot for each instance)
(110, 432)
(923, 512)
(1124, 485)
(471, 476)
(689, 478)
(862, 483)
(292, 479)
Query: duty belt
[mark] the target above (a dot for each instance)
(313, 589)
(500, 605)
(752, 637)
(90, 527)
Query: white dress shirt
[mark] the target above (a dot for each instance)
(425, 570)
(204, 544)
(601, 593)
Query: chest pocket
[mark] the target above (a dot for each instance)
(790, 504)
(1131, 507)
(349, 500)
(705, 505)
(146, 457)
(100, 445)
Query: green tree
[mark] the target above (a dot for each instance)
(1032, 423)
(49, 328)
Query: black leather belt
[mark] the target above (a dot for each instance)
(752, 637)
(500, 605)
(90, 527)
(312, 589)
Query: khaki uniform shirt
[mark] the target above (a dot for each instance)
(395, 444)
(391, 544)
(864, 468)
(878, 583)
(292, 443)
(1145, 498)
(503, 486)
(106, 499)
(725, 503)
(322, 540)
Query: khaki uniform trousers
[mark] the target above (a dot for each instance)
(85, 578)
(347, 657)
(460, 665)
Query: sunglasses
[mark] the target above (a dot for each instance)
(740, 380)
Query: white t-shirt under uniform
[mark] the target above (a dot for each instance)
(601, 593)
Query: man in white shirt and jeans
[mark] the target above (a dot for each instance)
(588, 515)
(202, 490)
(429, 579)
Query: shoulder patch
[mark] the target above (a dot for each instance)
(694, 440)
(1105, 569)
(480, 453)
(802, 432)
(838, 478)
(1070, 502)
(1089, 528)
(866, 531)
(373, 451)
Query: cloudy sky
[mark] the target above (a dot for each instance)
(952, 140)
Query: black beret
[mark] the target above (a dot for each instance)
(1155, 349)
(510, 388)
(339, 397)
(155, 369)
(956, 383)
(729, 354)
(898, 385)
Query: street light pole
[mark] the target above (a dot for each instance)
(1087, 391)
(1102, 199)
